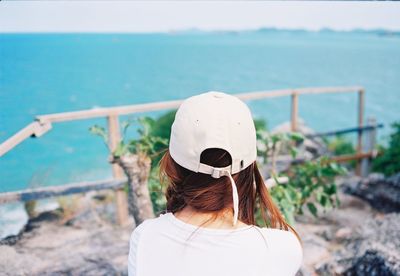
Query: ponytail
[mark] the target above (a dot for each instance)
(207, 194)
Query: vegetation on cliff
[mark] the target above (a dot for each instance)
(311, 183)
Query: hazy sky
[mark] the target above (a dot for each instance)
(126, 16)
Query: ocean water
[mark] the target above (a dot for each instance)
(48, 73)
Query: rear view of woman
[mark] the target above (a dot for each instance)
(214, 190)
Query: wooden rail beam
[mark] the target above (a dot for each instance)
(107, 111)
(67, 189)
(300, 91)
(33, 129)
(326, 90)
(349, 157)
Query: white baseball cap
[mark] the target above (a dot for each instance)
(214, 120)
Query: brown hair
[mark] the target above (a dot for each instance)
(204, 193)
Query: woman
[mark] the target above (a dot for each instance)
(214, 191)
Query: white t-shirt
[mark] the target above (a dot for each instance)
(167, 246)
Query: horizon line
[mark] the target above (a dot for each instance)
(203, 30)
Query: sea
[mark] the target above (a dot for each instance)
(50, 73)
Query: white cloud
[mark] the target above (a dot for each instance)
(125, 16)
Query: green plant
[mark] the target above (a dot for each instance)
(137, 157)
(389, 162)
(147, 143)
(260, 124)
(156, 191)
(310, 184)
(271, 145)
(162, 125)
(162, 129)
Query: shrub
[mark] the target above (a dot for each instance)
(342, 146)
(148, 144)
(30, 207)
(311, 183)
(260, 124)
(389, 162)
(70, 206)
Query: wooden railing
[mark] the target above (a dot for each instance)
(43, 124)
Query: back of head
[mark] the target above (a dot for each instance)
(211, 162)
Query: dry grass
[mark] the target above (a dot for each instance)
(70, 206)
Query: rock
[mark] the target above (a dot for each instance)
(30, 225)
(311, 147)
(96, 266)
(326, 234)
(85, 245)
(48, 216)
(343, 233)
(382, 193)
(10, 263)
(371, 263)
(304, 271)
(315, 250)
(11, 239)
(373, 249)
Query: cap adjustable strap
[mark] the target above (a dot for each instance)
(235, 198)
(217, 173)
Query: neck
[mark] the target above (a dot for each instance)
(217, 220)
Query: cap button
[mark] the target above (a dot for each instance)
(218, 95)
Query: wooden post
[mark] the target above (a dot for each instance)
(361, 99)
(114, 137)
(294, 110)
(368, 146)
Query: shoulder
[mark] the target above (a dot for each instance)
(136, 235)
(145, 226)
(284, 245)
(149, 225)
(135, 241)
(287, 238)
